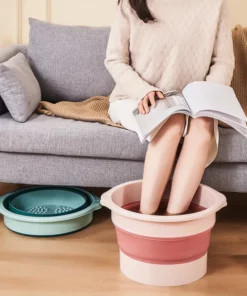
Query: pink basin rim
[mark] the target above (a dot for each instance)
(163, 250)
(128, 192)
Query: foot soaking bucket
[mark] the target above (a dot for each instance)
(162, 250)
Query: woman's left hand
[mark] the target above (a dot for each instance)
(143, 106)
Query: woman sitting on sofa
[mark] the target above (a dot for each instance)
(161, 45)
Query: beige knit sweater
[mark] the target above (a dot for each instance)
(191, 40)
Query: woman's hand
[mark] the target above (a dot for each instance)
(143, 105)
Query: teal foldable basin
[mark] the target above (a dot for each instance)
(48, 210)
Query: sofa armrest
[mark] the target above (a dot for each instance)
(6, 53)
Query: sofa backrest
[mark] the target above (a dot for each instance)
(73, 72)
(68, 61)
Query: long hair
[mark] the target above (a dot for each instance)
(141, 9)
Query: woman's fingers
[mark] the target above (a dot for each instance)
(145, 103)
(143, 106)
(152, 98)
(140, 106)
(160, 95)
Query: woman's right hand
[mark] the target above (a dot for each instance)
(143, 105)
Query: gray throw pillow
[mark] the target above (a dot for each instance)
(19, 88)
(68, 61)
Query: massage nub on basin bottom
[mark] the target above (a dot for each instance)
(162, 250)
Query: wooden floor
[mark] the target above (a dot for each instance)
(87, 263)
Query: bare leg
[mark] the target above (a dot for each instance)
(159, 161)
(191, 164)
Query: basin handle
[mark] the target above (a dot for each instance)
(106, 199)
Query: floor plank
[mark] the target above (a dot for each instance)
(216, 285)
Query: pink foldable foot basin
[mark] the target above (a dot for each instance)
(162, 250)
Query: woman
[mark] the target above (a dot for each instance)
(160, 45)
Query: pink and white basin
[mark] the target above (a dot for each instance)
(162, 250)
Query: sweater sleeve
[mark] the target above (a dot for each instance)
(223, 59)
(117, 59)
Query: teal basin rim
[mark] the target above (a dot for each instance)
(94, 205)
(47, 201)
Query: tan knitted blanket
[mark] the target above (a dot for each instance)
(95, 109)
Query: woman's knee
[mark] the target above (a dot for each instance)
(174, 126)
(201, 129)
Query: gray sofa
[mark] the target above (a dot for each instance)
(56, 151)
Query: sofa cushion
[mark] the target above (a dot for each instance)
(54, 135)
(42, 134)
(19, 88)
(69, 60)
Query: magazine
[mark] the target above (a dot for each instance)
(199, 98)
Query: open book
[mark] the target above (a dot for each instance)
(199, 98)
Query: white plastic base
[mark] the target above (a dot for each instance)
(163, 275)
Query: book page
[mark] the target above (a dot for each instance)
(164, 108)
(220, 116)
(212, 96)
